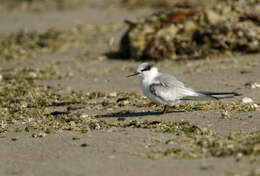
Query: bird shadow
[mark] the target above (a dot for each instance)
(135, 114)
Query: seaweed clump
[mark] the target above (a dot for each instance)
(191, 32)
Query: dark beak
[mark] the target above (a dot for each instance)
(134, 74)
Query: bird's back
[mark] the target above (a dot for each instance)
(168, 80)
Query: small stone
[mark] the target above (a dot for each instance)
(190, 27)
(126, 102)
(240, 33)
(41, 134)
(212, 17)
(113, 94)
(32, 75)
(253, 84)
(256, 106)
(225, 115)
(247, 100)
(24, 104)
(102, 58)
(239, 156)
(84, 116)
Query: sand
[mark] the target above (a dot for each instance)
(123, 151)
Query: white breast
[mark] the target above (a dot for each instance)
(146, 91)
(145, 87)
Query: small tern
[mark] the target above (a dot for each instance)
(165, 89)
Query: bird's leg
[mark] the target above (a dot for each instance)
(165, 109)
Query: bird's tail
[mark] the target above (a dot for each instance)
(219, 95)
(206, 96)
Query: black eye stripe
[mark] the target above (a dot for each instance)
(147, 68)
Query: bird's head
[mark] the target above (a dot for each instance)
(145, 70)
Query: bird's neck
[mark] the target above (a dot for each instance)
(149, 76)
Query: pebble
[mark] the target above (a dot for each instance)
(239, 157)
(247, 100)
(113, 94)
(33, 75)
(253, 84)
(102, 58)
(190, 27)
(84, 116)
(212, 17)
(126, 102)
(225, 115)
(256, 106)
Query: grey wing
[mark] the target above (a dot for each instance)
(169, 81)
(169, 88)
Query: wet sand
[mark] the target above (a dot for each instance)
(123, 151)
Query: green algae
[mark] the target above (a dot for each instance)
(21, 44)
(31, 44)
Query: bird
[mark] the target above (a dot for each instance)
(162, 88)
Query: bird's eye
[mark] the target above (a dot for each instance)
(146, 68)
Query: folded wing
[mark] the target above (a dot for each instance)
(169, 88)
